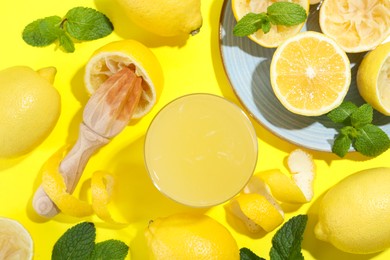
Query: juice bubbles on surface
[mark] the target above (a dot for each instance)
(200, 150)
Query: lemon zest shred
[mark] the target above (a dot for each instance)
(101, 187)
(54, 185)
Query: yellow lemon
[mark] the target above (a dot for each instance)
(278, 33)
(354, 215)
(29, 108)
(310, 74)
(373, 78)
(15, 241)
(190, 236)
(113, 56)
(165, 18)
(357, 26)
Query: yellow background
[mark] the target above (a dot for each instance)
(190, 65)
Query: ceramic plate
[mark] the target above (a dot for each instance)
(247, 66)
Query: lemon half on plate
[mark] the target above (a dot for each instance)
(277, 33)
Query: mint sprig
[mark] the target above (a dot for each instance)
(79, 23)
(279, 13)
(78, 242)
(247, 254)
(286, 243)
(358, 131)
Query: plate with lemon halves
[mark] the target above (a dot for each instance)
(247, 66)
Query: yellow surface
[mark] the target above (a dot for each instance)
(190, 65)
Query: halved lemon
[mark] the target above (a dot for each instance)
(15, 241)
(278, 33)
(356, 25)
(113, 56)
(373, 78)
(310, 74)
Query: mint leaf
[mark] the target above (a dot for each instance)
(362, 116)
(76, 243)
(341, 145)
(371, 141)
(86, 24)
(342, 112)
(266, 25)
(359, 131)
(349, 131)
(81, 23)
(42, 32)
(286, 13)
(250, 23)
(110, 249)
(66, 42)
(247, 254)
(279, 13)
(286, 244)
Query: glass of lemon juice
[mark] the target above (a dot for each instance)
(200, 150)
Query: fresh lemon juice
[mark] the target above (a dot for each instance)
(200, 150)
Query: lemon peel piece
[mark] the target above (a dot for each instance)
(302, 168)
(258, 204)
(256, 207)
(54, 185)
(298, 188)
(102, 184)
(257, 212)
(282, 187)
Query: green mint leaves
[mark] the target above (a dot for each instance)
(286, 243)
(279, 13)
(79, 23)
(358, 131)
(78, 242)
(247, 254)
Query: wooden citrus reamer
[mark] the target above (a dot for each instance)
(106, 114)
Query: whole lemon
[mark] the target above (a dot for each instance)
(190, 236)
(165, 18)
(354, 214)
(29, 108)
